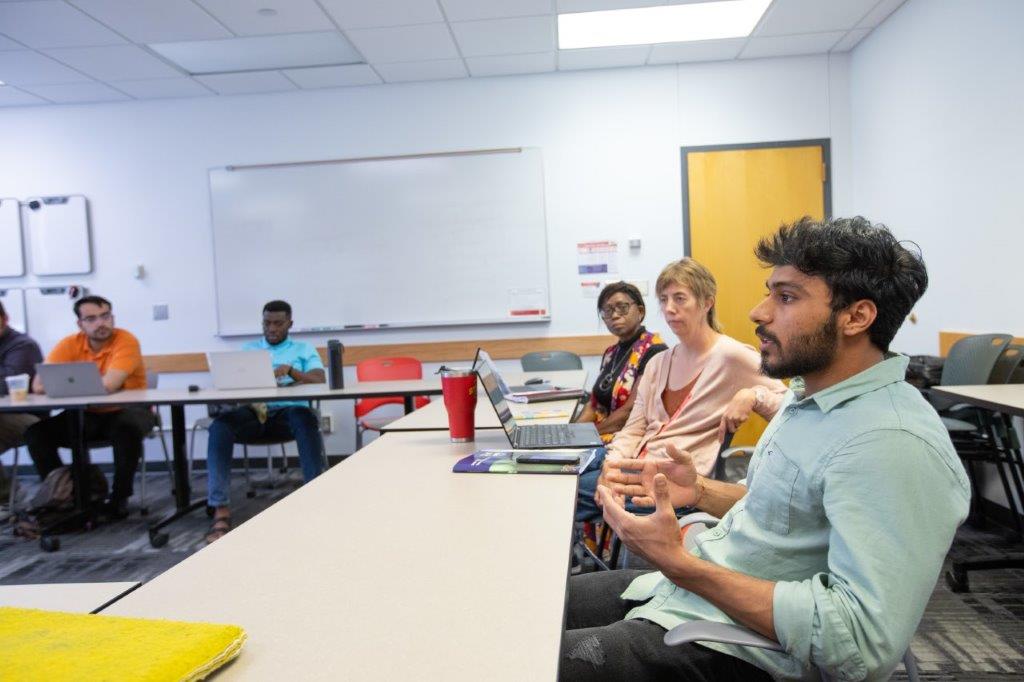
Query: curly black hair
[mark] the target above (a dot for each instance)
(858, 261)
(278, 307)
(619, 288)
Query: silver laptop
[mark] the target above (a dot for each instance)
(241, 369)
(532, 436)
(71, 379)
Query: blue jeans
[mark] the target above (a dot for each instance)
(298, 423)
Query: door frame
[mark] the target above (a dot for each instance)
(825, 144)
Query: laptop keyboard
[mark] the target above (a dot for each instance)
(543, 435)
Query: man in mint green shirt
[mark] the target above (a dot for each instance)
(834, 542)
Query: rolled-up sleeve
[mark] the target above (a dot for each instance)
(856, 620)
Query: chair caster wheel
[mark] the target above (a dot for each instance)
(250, 494)
(48, 543)
(158, 538)
(957, 581)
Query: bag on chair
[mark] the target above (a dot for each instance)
(57, 493)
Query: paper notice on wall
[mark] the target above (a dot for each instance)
(597, 257)
(590, 288)
(531, 302)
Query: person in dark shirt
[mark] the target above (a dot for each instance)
(18, 355)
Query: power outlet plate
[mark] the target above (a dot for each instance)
(161, 311)
(327, 423)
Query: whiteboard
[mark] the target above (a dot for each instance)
(13, 301)
(12, 256)
(427, 240)
(58, 229)
(49, 313)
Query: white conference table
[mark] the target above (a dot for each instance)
(72, 597)
(388, 567)
(176, 399)
(1004, 398)
(434, 417)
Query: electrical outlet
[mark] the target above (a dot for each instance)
(161, 311)
(327, 423)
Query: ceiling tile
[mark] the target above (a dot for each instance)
(77, 92)
(162, 88)
(522, 35)
(155, 21)
(8, 44)
(53, 24)
(880, 13)
(507, 64)
(471, 10)
(31, 68)
(404, 43)
(265, 17)
(440, 69)
(789, 17)
(243, 83)
(851, 39)
(258, 53)
(569, 6)
(786, 46)
(113, 63)
(363, 14)
(333, 76)
(697, 51)
(13, 97)
(603, 57)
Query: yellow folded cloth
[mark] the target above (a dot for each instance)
(52, 646)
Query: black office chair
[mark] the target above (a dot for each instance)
(550, 361)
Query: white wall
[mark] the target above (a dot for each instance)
(937, 104)
(610, 140)
(937, 101)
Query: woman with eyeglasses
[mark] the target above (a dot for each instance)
(621, 307)
(685, 391)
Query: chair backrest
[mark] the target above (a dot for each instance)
(550, 361)
(1007, 364)
(971, 359)
(387, 369)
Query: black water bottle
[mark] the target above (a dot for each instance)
(335, 367)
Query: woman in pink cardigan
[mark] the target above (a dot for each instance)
(687, 389)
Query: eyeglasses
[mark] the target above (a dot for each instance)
(610, 311)
(89, 319)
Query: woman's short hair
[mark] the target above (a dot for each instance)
(620, 288)
(697, 279)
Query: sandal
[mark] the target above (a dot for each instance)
(218, 529)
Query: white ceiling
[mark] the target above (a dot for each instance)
(65, 51)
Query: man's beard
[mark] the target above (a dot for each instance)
(804, 354)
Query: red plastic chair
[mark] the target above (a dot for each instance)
(384, 369)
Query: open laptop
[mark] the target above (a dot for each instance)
(70, 379)
(241, 369)
(533, 436)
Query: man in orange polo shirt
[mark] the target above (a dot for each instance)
(117, 354)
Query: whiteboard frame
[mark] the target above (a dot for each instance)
(524, 319)
(16, 235)
(79, 263)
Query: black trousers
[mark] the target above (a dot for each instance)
(123, 429)
(598, 645)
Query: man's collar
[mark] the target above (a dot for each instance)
(267, 344)
(891, 369)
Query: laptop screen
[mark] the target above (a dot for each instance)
(495, 388)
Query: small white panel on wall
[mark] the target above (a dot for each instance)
(58, 229)
(12, 255)
(13, 301)
(49, 313)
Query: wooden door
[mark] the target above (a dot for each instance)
(733, 196)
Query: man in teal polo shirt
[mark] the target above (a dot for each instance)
(834, 542)
(295, 362)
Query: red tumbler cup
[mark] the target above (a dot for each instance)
(459, 389)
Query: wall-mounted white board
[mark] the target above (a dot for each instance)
(13, 301)
(425, 240)
(12, 254)
(58, 235)
(49, 313)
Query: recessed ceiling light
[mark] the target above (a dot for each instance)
(267, 12)
(672, 24)
(2, 83)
